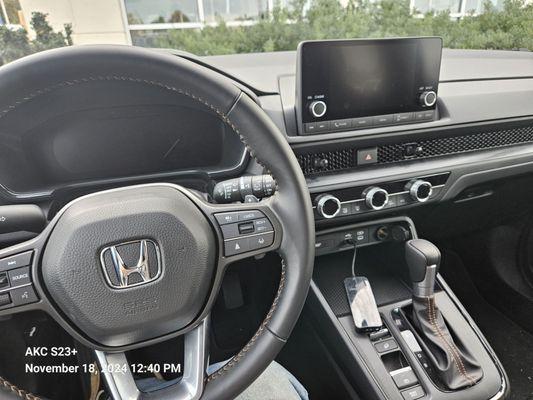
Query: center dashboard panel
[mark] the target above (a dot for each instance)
(358, 84)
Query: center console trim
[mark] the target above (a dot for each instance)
(318, 297)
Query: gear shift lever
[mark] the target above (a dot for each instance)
(423, 259)
(454, 364)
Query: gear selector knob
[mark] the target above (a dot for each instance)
(423, 259)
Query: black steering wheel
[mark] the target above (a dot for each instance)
(179, 232)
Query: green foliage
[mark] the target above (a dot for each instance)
(508, 28)
(15, 43)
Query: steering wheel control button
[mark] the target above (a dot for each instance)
(227, 218)
(250, 215)
(404, 377)
(262, 225)
(23, 295)
(246, 228)
(5, 299)
(385, 345)
(367, 156)
(19, 276)
(18, 260)
(236, 246)
(261, 241)
(4, 281)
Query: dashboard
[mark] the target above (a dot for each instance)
(467, 118)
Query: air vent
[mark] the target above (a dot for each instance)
(345, 159)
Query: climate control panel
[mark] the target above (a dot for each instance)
(386, 195)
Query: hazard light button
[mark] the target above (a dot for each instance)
(367, 156)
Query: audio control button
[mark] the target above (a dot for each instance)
(318, 108)
(428, 98)
(361, 123)
(380, 120)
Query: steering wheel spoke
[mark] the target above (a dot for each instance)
(19, 289)
(245, 230)
(121, 384)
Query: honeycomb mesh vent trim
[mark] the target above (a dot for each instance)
(344, 159)
(457, 144)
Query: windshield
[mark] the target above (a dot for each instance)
(213, 27)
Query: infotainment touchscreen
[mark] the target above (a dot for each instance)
(356, 84)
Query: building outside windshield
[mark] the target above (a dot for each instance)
(212, 27)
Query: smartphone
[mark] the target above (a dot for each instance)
(362, 303)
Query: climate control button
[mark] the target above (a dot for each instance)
(328, 206)
(376, 198)
(419, 190)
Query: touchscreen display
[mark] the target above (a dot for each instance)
(361, 78)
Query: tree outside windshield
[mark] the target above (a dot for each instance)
(212, 27)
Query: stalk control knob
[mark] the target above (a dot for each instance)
(328, 206)
(376, 198)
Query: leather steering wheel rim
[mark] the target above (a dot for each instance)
(43, 73)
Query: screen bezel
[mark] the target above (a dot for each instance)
(299, 100)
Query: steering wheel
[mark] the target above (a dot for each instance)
(175, 236)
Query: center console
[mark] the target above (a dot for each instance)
(428, 347)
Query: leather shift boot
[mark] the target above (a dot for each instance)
(456, 367)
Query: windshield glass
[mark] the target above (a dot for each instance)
(212, 27)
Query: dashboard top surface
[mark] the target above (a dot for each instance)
(262, 70)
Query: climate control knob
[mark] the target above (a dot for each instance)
(419, 190)
(428, 98)
(318, 108)
(376, 198)
(328, 206)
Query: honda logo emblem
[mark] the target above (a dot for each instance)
(131, 264)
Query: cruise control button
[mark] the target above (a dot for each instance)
(227, 218)
(5, 299)
(23, 295)
(404, 377)
(19, 276)
(236, 246)
(413, 393)
(261, 241)
(4, 282)
(249, 215)
(18, 260)
(385, 345)
(262, 225)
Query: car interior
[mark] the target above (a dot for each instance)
(355, 212)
